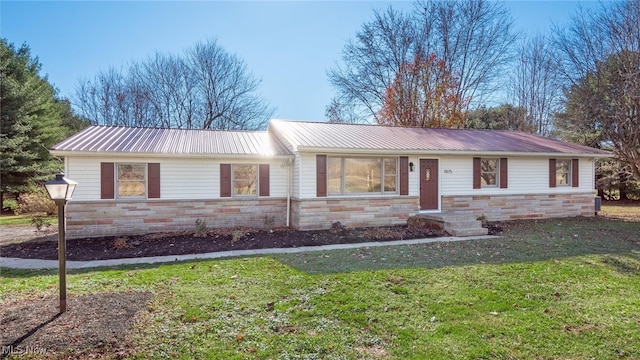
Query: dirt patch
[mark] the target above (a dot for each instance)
(161, 244)
(94, 323)
(627, 210)
(17, 233)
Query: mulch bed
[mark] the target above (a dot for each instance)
(160, 244)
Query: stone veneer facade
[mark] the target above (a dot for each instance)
(320, 213)
(108, 218)
(513, 207)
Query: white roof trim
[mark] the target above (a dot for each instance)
(166, 155)
(304, 149)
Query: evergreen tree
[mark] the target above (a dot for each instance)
(32, 120)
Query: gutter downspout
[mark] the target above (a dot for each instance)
(288, 163)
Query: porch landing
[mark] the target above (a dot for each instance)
(456, 224)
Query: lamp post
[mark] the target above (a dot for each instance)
(60, 190)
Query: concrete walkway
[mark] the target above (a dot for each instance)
(17, 263)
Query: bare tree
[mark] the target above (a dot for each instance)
(600, 64)
(110, 99)
(371, 62)
(473, 38)
(205, 88)
(535, 86)
(226, 90)
(341, 111)
(170, 88)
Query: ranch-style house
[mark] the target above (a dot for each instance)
(308, 175)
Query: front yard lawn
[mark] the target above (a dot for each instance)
(545, 290)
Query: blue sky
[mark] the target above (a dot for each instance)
(290, 45)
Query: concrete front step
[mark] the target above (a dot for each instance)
(455, 224)
(462, 224)
(468, 232)
(449, 217)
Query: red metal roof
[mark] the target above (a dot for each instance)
(115, 139)
(315, 136)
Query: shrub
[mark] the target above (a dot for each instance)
(121, 244)
(237, 235)
(36, 202)
(41, 223)
(201, 228)
(10, 205)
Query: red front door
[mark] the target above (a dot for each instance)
(429, 184)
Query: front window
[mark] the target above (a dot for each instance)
(390, 174)
(489, 171)
(563, 172)
(359, 175)
(245, 180)
(132, 180)
(334, 175)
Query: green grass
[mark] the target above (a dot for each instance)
(559, 289)
(23, 220)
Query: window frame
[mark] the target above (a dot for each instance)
(497, 173)
(118, 181)
(256, 181)
(343, 187)
(396, 176)
(569, 178)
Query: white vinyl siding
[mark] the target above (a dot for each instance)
(307, 175)
(414, 181)
(183, 178)
(180, 179)
(295, 177)
(527, 175)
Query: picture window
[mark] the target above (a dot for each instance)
(362, 175)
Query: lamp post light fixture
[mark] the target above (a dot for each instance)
(60, 190)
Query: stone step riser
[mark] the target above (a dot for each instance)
(454, 218)
(463, 224)
(469, 232)
(457, 224)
